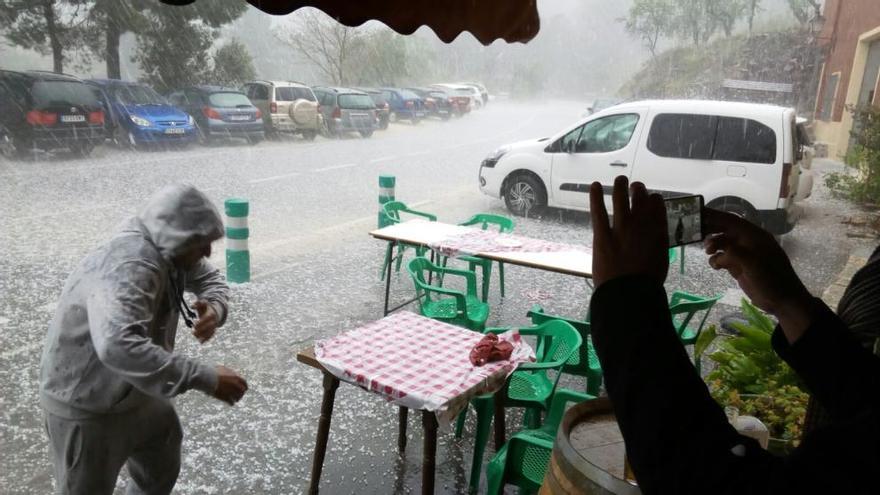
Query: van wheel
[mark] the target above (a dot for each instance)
(524, 194)
(737, 207)
(366, 134)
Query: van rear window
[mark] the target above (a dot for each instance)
(712, 137)
(51, 93)
(356, 102)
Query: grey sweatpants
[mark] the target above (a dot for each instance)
(88, 453)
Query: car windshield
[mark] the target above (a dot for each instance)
(356, 101)
(229, 99)
(55, 93)
(137, 95)
(408, 95)
(293, 93)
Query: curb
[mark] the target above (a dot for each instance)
(831, 296)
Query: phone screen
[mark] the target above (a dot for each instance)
(684, 219)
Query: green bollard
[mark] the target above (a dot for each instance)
(386, 194)
(238, 257)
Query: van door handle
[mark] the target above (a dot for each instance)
(618, 164)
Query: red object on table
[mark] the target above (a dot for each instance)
(418, 363)
(490, 349)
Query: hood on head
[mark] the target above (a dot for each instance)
(179, 217)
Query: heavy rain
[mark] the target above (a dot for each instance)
(103, 103)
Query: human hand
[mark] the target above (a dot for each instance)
(206, 325)
(230, 386)
(761, 268)
(638, 241)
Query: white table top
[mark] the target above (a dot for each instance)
(577, 260)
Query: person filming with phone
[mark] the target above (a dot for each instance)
(678, 439)
(109, 368)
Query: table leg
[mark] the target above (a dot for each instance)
(499, 421)
(388, 278)
(330, 385)
(431, 274)
(401, 429)
(429, 424)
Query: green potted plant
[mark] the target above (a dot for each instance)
(751, 377)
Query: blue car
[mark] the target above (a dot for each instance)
(139, 116)
(404, 104)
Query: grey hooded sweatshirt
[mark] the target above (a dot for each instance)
(110, 344)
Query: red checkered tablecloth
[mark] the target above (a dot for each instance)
(417, 362)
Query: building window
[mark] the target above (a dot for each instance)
(828, 96)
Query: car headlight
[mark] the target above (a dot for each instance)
(140, 121)
(494, 156)
(190, 120)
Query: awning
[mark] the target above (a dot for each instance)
(487, 20)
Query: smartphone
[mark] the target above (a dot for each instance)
(684, 219)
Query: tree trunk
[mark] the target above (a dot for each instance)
(54, 38)
(111, 54)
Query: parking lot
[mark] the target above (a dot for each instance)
(315, 274)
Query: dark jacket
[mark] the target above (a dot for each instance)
(678, 440)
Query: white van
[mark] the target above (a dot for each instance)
(742, 157)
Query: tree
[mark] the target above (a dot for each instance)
(173, 49)
(753, 7)
(233, 65)
(47, 26)
(650, 20)
(327, 44)
(694, 21)
(108, 20)
(726, 13)
(805, 10)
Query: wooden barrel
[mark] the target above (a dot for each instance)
(588, 455)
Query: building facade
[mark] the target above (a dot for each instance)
(850, 76)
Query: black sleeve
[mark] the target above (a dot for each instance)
(678, 439)
(841, 374)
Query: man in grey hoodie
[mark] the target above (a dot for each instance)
(108, 370)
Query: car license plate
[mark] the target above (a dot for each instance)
(73, 118)
(174, 131)
(239, 117)
(420, 114)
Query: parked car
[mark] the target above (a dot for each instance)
(383, 110)
(139, 116)
(347, 110)
(484, 93)
(466, 90)
(463, 98)
(404, 104)
(741, 157)
(287, 106)
(221, 112)
(437, 103)
(48, 111)
(6, 148)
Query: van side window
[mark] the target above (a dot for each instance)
(607, 134)
(710, 137)
(675, 135)
(744, 140)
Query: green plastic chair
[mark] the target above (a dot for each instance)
(484, 220)
(583, 363)
(452, 306)
(684, 307)
(391, 216)
(529, 386)
(523, 460)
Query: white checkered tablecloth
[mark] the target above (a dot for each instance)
(417, 362)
